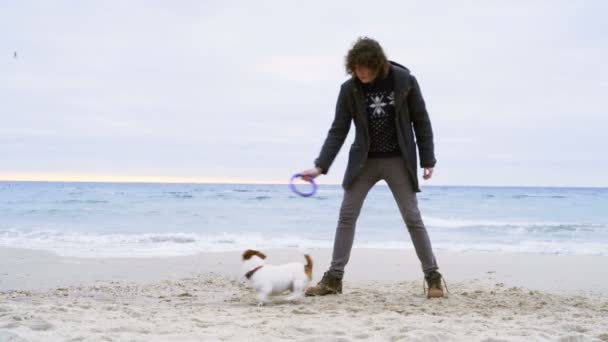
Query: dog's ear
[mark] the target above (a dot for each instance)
(251, 252)
(261, 255)
(248, 254)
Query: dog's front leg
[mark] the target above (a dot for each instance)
(263, 295)
(298, 291)
(295, 296)
(263, 299)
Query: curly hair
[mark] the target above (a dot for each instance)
(368, 53)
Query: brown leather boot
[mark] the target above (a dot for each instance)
(433, 280)
(329, 284)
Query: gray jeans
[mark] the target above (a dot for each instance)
(393, 171)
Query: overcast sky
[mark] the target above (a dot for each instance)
(245, 91)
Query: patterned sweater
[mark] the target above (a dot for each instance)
(380, 104)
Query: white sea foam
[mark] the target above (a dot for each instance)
(543, 225)
(175, 244)
(145, 245)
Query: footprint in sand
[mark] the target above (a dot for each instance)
(39, 325)
(574, 328)
(362, 336)
(11, 325)
(307, 331)
(572, 338)
(6, 336)
(303, 312)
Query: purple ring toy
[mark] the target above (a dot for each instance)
(303, 194)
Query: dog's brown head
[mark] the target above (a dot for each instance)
(251, 252)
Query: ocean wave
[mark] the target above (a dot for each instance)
(176, 244)
(538, 196)
(249, 190)
(528, 226)
(535, 247)
(91, 201)
(178, 194)
(168, 238)
(144, 245)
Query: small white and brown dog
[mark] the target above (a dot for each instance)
(269, 280)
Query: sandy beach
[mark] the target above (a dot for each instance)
(493, 297)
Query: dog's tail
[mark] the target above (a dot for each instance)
(308, 266)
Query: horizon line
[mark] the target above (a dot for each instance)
(232, 181)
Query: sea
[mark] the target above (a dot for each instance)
(159, 219)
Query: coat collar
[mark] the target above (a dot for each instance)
(402, 84)
(360, 110)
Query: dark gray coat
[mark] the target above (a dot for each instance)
(411, 119)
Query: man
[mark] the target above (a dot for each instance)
(385, 103)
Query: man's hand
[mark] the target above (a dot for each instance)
(428, 173)
(309, 174)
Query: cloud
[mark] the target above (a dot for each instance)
(211, 89)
